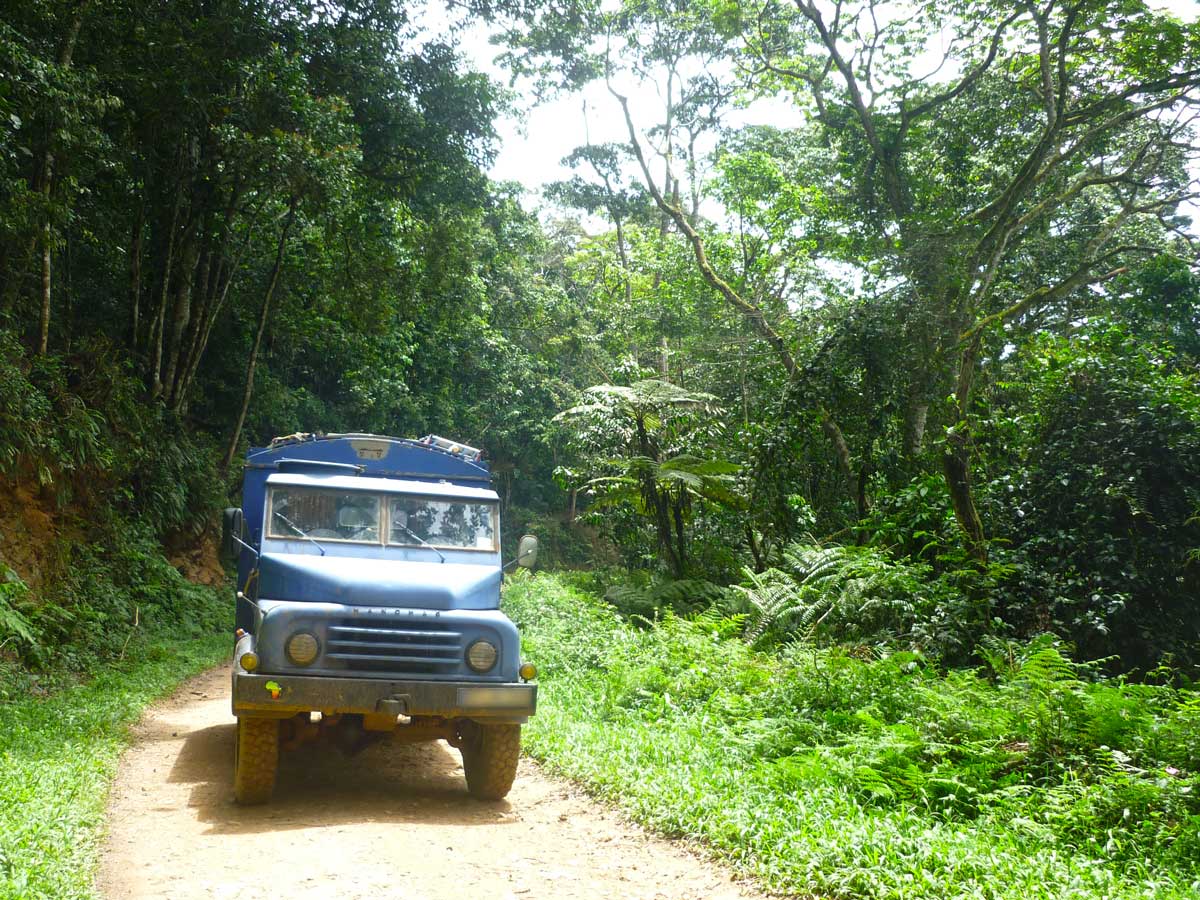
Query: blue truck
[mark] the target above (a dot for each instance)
(368, 593)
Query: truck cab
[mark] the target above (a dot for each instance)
(369, 573)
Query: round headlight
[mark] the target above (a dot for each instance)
(481, 656)
(302, 648)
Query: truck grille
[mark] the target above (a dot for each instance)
(423, 647)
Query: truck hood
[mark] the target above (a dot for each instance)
(378, 582)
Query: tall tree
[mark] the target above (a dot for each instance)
(1066, 137)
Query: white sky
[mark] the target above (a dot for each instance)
(534, 141)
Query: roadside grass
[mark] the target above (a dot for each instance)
(58, 754)
(827, 775)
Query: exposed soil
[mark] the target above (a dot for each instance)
(393, 822)
(197, 559)
(27, 533)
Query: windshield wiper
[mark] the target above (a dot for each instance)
(300, 531)
(422, 540)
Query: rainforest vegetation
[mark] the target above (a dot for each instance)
(892, 405)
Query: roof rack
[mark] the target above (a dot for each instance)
(454, 448)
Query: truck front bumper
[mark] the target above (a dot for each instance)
(282, 696)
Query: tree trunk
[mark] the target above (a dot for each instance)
(155, 338)
(236, 437)
(213, 301)
(956, 467)
(156, 333)
(864, 496)
(841, 452)
(181, 314)
(622, 253)
(44, 321)
(212, 311)
(745, 399)
(195, 327)
(46, 167)
(680, 537)
(202, 300)
(956, 461)
(755, 550)
(657, 501)
(915, 417)
(135, 276)
(662, 523)
(68, 297)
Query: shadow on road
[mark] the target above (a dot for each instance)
(318, 786)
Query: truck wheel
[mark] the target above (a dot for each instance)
(255, 758)
(490, 754)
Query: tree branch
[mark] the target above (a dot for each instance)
(753, 314)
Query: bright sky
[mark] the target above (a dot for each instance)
(534, 141)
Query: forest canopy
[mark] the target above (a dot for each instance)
(914, 366)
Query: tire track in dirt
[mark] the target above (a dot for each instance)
(394, 822)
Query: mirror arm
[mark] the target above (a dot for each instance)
(514, 561)
(247, 546)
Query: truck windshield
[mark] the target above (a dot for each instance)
(324, 515)
(448, 524)
(299, 513)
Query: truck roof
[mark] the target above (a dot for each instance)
(376, 484)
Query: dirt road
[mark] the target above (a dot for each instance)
(393, 822)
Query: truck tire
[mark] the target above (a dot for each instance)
(490, 754)
(255, 759)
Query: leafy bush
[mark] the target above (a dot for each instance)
(871, 775)
(561, 544)
(858, 595)
(14, 606)
(81, 430)
(122, 476)
(1100, 504)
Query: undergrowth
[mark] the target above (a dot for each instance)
(97, 608)
(117, 477)
(59, 753)
(112, 624)
(827, 775)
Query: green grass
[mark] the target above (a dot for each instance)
(827, 775)
(58, 754)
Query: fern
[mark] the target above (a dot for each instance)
(1046, 670)
(859, 592)
(680, 595)
(717, 623)
(12, 622)
(772, 596)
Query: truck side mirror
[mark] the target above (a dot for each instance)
(527, 551)
(233, 525)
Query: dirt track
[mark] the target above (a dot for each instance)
(394, 822)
